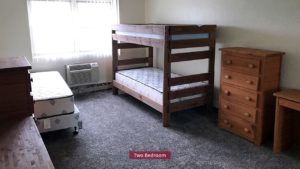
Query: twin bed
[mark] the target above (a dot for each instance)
(161, 89)
(54, 107)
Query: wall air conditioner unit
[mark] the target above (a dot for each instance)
(82, 74)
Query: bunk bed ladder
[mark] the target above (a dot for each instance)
(170, 58)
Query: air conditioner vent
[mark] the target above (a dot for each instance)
(82, 74)
(80, 67)
(81, 77)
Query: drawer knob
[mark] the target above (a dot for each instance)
(248, 98)
(249, 82)
(247, 114)
(226, 122)
(246, 130)
(227, 92)
(227, 77)
(228, 62)
(226, 106)
(251, 66)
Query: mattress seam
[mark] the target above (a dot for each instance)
(42, 118)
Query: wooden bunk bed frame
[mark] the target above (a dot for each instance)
(123, 41)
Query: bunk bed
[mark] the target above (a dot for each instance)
(161, 89)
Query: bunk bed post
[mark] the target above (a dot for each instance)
(150, 56)
(115, 59)
(211, 70)
(167, 76)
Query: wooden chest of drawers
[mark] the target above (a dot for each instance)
(15, 88)
(249, 77)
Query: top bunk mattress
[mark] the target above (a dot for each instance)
(48, 86)
(154, 35)
(161, 37)
(153, 78)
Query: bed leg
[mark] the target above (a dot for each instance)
(210, 102)
(115, 90)
(209, 105)
(76, 131)
(208, 108)
(166, 119)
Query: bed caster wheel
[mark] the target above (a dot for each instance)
(76, 131)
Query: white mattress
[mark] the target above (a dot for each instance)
(51, 95)
(173, 37)
(59, 122)
(149, 82)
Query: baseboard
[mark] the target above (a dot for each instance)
(91, 88)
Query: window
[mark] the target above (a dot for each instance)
(71, 28)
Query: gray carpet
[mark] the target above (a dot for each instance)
(115, 125)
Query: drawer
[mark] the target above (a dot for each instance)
(13, 90)
(237, 126)
(14, 77)
(11, 100)
(243, 112)
(233, 95)
(241, 64)
(12, 113)
(289, 104)
(249, 82)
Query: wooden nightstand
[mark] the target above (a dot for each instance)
(283, 119)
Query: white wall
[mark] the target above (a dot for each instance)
(267, 24)
(132, 11)
(14, 30)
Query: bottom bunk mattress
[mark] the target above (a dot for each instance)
(149, 83)
(59, 122)
(51, 95)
